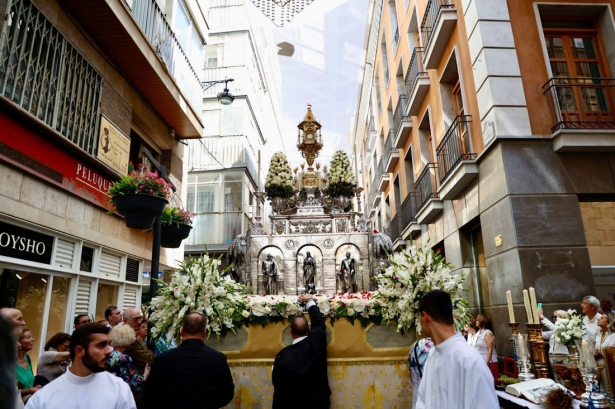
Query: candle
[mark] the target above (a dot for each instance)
(511, 312)
(534, 306)
(585, 348)
(521, 347)
(528, 311)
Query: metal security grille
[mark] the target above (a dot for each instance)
(41, 71)
(132, 270)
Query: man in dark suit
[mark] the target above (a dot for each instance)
(191, 375)
(300, 370)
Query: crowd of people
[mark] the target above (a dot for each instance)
(108, 363)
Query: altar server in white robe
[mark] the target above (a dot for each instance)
(455, 375)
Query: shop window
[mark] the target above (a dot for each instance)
(57, 307)
(31, 297)
(136, 152)
(107, 296)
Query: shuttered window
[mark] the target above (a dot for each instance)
(82, 304)
(130, 297)
(110, 265)
(65, 251)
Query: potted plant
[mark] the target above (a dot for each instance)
(341, 182)
(279, 184)
(139, 197)
(176, 226)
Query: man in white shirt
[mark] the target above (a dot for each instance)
(455, 375)
(590, 306)
(86, 384)
(113, 315)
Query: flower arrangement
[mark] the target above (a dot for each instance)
(176, 216)
(198, 287)
(341, 179)
(568, 330)
(412, 273)
(279, 182)
(143, 182)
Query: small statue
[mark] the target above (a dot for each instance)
(309, 273)
(347, 270)
(270, 285)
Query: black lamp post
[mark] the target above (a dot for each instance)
(157, 227)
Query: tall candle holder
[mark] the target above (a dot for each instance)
(539, 351)
(589, 369)
(513, 329)
(523, 354)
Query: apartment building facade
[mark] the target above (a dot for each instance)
(224, 166)
(85, 87)
(485, 130)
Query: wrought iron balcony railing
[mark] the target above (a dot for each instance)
(381, 166)
(581, 103)
(425, 186)
(455, 147)
(399, 114)
(408, 210)
(154, 25)
(432, 12)
(389, 147)
(395, 227)
(414, 70)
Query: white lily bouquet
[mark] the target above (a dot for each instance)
(568, 330)
(198, 287)
(414, 272)
(279, 181)
(341, 178)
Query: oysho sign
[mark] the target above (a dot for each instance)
(25, 244)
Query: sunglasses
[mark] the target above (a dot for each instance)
(110, 310)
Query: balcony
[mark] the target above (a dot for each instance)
(216, 228)
(383, 175)
(395, 231)
(427, 198)
(369, 205)
(374, 199)
(436, 28)
(416, 82)
(391, 152)
(145, 50)
(371, 136)
(456, 165)
(410, 227)
(402, 124)
(583, 110)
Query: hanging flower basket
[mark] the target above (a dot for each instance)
(171, 236)
(176, 226)
(139, 210)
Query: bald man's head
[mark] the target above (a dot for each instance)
(133, 317)
(13, 316)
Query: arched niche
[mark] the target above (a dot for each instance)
(319, 280)
(278, 258)
(355, 252)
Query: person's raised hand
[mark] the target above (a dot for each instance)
(305, 297)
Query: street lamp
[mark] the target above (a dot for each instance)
(224, 97)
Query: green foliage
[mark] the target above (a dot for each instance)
(139, 182)
(341, 178)
(176, 216)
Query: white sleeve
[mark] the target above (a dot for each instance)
(126, 400)
(33, 402)
(547, 323)
(309, 303)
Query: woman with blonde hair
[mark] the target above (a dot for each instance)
(120, 364)
(554, 346)
(605, 338)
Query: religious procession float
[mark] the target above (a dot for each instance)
(319, 244)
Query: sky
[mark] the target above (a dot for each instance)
(326, 71)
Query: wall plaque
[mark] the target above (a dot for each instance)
(113, 146)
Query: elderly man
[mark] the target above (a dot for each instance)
(13, 316)
(590, 306)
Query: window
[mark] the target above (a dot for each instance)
(579, 85)
(107, 296)
(87, 258)
(43, 73)
(187, 36)
(205, 200)
(459, 109)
